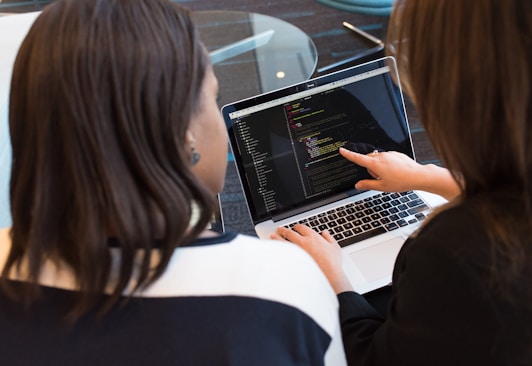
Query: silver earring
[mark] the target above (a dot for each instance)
(195, 156)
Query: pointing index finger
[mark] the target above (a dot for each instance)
(359, 159)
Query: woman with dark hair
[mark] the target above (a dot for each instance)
(119, 150)
(461, 292)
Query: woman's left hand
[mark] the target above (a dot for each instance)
(323, 248)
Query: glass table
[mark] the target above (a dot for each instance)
(254, 53)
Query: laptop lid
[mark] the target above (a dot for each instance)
(285, 143)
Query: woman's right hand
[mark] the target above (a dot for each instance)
(396, 172)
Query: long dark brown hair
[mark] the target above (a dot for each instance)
(467, 66)
(101, 98)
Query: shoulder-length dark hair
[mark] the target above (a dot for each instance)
(101, 98)
(468, 67)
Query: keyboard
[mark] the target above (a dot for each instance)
(369, 217)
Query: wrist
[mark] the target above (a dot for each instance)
(341, 284)
(438, 180)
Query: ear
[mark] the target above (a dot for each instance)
(189, 138)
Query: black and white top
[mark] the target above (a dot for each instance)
(230, 300)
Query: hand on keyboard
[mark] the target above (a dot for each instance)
(323, 248)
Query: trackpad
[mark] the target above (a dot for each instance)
(376, 262)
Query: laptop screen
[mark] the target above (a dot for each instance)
(285, 143)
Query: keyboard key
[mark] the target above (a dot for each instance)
(361, 236)
(417, 209)
(415, 203)
(386, 198)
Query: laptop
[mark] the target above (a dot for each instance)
(285, 146)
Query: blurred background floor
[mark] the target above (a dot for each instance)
(333, 43)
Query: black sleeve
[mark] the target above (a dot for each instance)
(440, 312)
(358, 320)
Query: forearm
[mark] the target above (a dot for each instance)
(437, 180)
